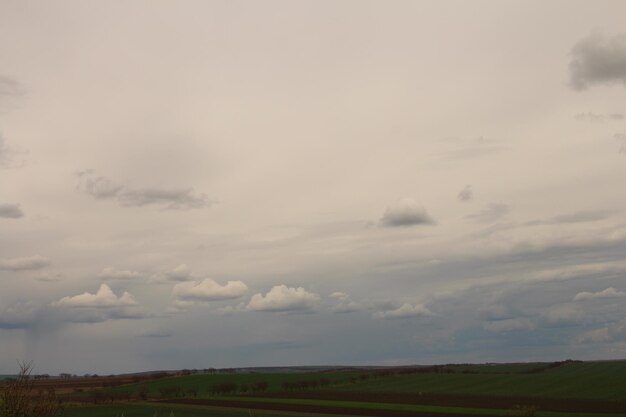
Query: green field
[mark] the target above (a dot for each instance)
(590, 380)
(565, 389)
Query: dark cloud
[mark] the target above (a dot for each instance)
(466, 194)
(598, 60)
(103, 188)
(11, 211)
(24, 264)
(404, 213)
(18, 316)
(493, 213)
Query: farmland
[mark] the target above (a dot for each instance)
(557, 389)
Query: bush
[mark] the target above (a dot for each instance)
(19, 399)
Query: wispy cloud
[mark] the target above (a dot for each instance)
(492, 213)
(607, 293)
(24, 264)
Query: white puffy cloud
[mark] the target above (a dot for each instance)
(405, 212)
(283, 298)
(103, 298)
(404, 311)
(24, 264)
(209, 290)
(608, 293)
(11, 211)
(111, 273)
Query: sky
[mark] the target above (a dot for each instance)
(238, 183)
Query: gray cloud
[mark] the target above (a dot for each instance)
(405, 212)
(49, 277)
(344, 303)
(8, 155)
(102, 188)
(492, 213)
(466, 194)
(181, 273)
(24, 264)
(11, 211)
(9, 86)
(598, 60)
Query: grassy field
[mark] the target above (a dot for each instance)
(563, 389)
(590, 380)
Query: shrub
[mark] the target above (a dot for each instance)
(19, 399)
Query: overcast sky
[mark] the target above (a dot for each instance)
(245, 183)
